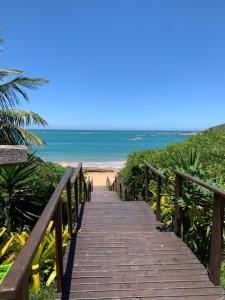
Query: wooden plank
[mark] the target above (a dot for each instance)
(121, 255)
(12, 155)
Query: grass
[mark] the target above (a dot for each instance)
(47, 293)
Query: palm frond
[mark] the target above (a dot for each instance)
(11, 91)
(7, 72)
(20, 117)
(14, 135)
(11, 131)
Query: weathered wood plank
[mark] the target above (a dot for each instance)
(11, 155)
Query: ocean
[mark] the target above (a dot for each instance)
(101, 146)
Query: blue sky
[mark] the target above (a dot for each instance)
(120, 64)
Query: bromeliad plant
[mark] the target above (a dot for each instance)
(44, 263)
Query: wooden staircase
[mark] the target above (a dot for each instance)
(119, 253)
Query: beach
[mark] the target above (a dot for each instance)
(98, 171)
(103, 153)
(99, 177)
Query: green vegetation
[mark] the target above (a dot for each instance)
(24, 192)
(203, 156)
(220, 127)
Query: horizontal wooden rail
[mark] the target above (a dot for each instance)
(217, 221)
(129, 192)
(202, 183)
(155, 171)
(16, 283)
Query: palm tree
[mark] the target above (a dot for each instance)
(12, 88)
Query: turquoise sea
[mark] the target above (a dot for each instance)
(101, 146)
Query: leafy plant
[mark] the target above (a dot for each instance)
(43, 269)
(12, 87)
(14, 184)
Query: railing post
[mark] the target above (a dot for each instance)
(121, 191)
(23, 292)
(88, 192)
(85, 191)
(80, 187)
(58, 240)
(158, 198)
(92, 184)
(146, 182)
(125, 194)
(177, 217)
(76, 200)
(69, 208)
(116, 185)
(216, 240)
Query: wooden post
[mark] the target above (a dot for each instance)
(177, 217)
(69, 208)
(121, 196)
(158, 198)
(76, 200)
(125, 194)
(216, 240)
(80, 187)
(58, 240)
(146, 182)
(23, 291)
(116, 184)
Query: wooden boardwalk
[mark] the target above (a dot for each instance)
(120, 254)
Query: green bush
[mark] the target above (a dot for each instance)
(210, 145)
(25, 190)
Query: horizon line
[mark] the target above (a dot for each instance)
(66, 129)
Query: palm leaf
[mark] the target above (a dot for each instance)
(11, 91)
(11, 131)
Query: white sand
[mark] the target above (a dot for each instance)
(96, 165)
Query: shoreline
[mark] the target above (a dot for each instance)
(100, 166)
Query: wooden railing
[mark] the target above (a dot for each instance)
(128, 192)
(16, 283)
(218, 208)
(217, 221)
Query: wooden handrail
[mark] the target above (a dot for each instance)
(15, 285)
(217, 221)
(202, 183)
(76, 174)
(155, 171)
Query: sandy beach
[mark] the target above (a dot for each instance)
(99, 177)
(99, 171)
(96, 165)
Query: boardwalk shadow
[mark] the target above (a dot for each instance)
(70, 258)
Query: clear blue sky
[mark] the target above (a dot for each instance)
(120, 64)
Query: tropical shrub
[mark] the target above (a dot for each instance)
(43, 268)
(25, 190)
